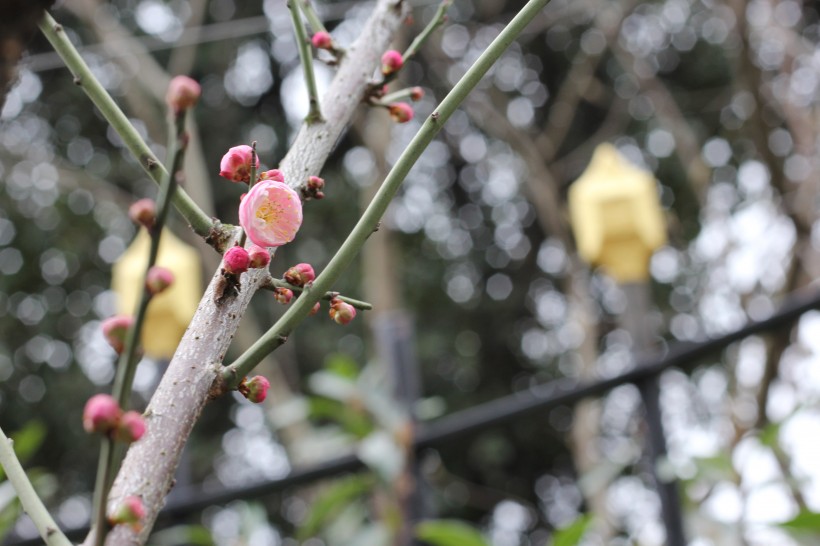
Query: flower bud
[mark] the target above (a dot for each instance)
(300, 275)
(236, 164)
(131, 427)
(322, 40)
(101, 414)
(130, 512)
(272, 174)
(401, 112)
(283, 295)
(143, 212)
(315, 183)
(416, 94)
(315, 309)
(391, 61)
(255, 389)
(236, 260)
(158, 279)
(259, 257)
(183, 93)
(115, 329)
(341, 312)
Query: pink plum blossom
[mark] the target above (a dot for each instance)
(272, 174)
(236, 260)
(271, 213)
(236, 164)
(183, 93)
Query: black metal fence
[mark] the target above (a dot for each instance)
(684, 356)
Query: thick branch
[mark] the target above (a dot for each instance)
(149, 466)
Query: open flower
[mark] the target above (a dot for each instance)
(236, 164)
(271, 213)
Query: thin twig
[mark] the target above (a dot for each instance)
(306, 57)
(53, 31)
(272, 283)
(31, 502)
(438, 19)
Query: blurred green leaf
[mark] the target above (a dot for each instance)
(333, 500)
(194, 535)
(804, 522)
(354, 422)
(10, 510)
(449, 533)
(769, 435)
(27, 441)
(342, 365)
(572, 533)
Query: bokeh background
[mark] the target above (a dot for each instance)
(717, 99)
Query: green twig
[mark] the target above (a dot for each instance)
(31, 502)
(369, 221)
(110, 452)
(315, 23)
(395, 96)
(438, 19)
(251, 181)
(306, 56)
(271, 283)
(53, 31)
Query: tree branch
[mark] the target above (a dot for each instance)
(149, 466)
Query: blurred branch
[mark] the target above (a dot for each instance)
(183, 57)
(185, 388)
(32, 504)
(306, 58)
(18, 22)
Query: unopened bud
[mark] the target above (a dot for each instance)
(341, 312)
(130, 512)
(315, 309)
(255, 389)
(236, 260)
(401, 112)
(183, 93)
(300, 275)
(391, 61)
(115, 329)
(101, 414)
(259, 257)
(283, 295)
(315, 183)
(322, 40)
(131, 427)
(158, 279)
(236, 163)
(143, 212)
(272, 174)
(416, 93)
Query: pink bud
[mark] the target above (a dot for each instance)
(300, 275)
(236, 164)
(255, 389)
(391, 61)
(283, 295)
(100, 414)
(271, 213)
(315, 183)
(416, 93)
(260, 257)
(183, 93)
(315, 309)
(341, 312)
(131, 427)
(130, 512)
(273, 174)
(158, 279)
(236, 260)
(322, 40)
(401, 112)
(115, 329)
(143, 212)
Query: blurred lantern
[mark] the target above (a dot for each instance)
(170, 312)
(616, 215)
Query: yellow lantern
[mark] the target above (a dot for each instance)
(170, 312)
(616, 215)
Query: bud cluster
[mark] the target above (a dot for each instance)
(103, 415)
(313, 188)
